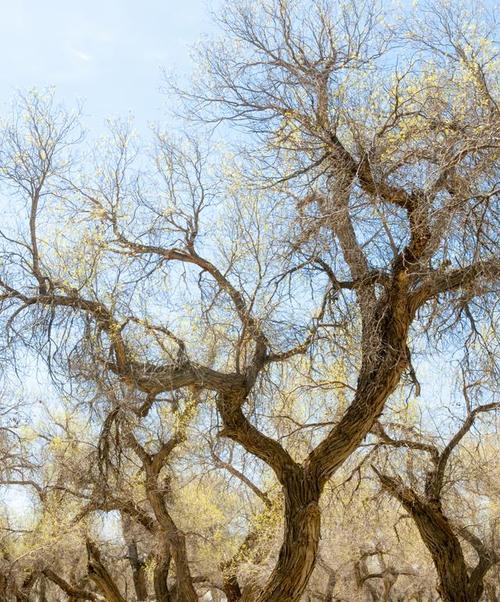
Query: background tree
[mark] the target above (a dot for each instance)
(426, 494)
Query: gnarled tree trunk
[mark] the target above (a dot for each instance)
(301, 536)
(455, 584)
(446, 552)
(176, 542)
(172, 539)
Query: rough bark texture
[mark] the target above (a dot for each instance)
(136, 564)
(177, 545)
(455, 583)
(230, 585)
(101, 577)
(138, 572)
(160, 577)
(171, 537)
(381, 371)
(72, 592)
(4, 586)
(42, 589)
(301, 536)
(447, 555)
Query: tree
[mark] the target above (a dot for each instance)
(357, 216)
(424, 499)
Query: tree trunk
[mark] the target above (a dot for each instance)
(301, 536)
(330, 587)
(160, 578)
(42, 589)
(183, 581)
(230, 585)
(442, 543)
(446, 552)
(4, 584)
(136, 564)
(491, 593)
(302, 485)
(385, 359)
(138, 572)
(175, 540)
(101, 577)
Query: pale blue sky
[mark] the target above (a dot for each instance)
(108, 53)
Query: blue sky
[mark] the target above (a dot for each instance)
(108, 53)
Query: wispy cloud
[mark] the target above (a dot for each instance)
(83, 56)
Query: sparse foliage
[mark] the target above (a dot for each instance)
(229, 323)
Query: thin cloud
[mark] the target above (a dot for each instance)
(83, 56)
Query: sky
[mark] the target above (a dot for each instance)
(107, 53)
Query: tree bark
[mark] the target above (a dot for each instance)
(138, 572)
(330, 587)
(491, 593)
(136, 564)
(162, 567)
(302, 484)
(42, 589)
(171, 537)
(3, 587)
(176, 541)
(301, 536)
(230, 584)
(446, 552)
(73, 593)
(439, 538)
(101, 577)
